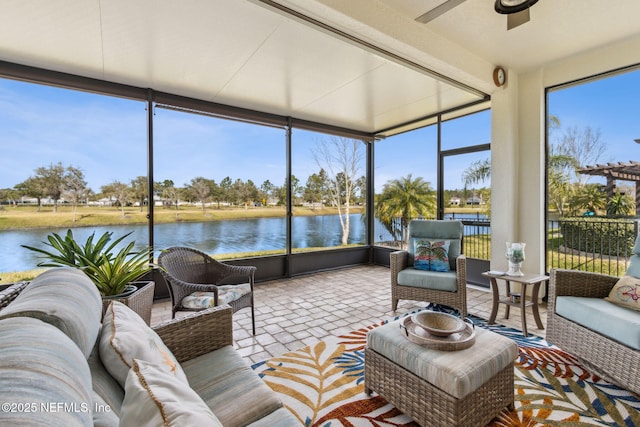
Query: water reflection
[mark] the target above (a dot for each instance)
(214, 237)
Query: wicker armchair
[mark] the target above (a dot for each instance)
(10, 292)
(615, 361)
(447, 288)
(188, 270)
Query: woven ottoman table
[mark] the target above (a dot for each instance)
(441, 388)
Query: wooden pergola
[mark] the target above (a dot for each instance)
(617, 171)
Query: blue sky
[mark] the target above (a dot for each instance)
(610, 105)
(106, 137)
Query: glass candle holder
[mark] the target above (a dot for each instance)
(515, 256)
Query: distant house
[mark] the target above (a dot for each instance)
(474, 201)
(454, 201)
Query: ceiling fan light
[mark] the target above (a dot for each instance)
(513, 6)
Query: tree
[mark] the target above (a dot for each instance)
(245, 192)
(215, 192)
(584, 146)
(404, 199)
(560, 189)
(169, 193)
(139, 189)
(361, 189)
(32, 187)
(620, 205)
(225, 188)
(296, 189)
(75, 187)
(120, 192)
(477, 172)
(52, 179)
(268, 190)
(589, 197)
(200, 189)
(315, 190)
(341, 158)
(10, 195)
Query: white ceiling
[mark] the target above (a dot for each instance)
(243, 53)
(557, 28)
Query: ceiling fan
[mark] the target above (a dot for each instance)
(517, 11)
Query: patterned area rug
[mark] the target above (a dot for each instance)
(323, 385)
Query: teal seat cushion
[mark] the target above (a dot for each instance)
(457, 373)
(442, 281)
(610, 320)
(223, 378)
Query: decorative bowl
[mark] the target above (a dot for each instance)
(438, 324)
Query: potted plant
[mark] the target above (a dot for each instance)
(114, 271)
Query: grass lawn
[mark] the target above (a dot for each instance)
(29, 217)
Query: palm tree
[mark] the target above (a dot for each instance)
(589, 197)
(560, 188)
(404, 199)
(620, 205)
(477, 172)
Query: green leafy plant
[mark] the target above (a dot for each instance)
(110, 270)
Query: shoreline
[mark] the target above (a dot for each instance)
(27, 218)
(19, 217)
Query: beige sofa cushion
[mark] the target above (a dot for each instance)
(44, 377)
(65, 298)
(104, 385)
(230, 387)
(154, 397)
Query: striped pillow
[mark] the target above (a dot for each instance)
(153, 396)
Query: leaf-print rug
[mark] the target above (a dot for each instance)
(323, 385)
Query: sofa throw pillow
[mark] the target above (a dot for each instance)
(153, 396)
(432, 255)
(626, 292)
(125, 336)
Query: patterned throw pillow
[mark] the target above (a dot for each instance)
(626, 293)
(125, 336)
(432, 255)
(154, 397)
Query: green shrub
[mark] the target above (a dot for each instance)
(598, 235)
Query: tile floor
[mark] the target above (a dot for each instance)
(293, 313)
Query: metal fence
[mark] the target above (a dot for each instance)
(589, 244)
(596, 245)
(477, 234)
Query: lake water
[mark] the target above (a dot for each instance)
(214, 237)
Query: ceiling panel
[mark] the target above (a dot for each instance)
(557, 29)
(235, 52)
(51, 34)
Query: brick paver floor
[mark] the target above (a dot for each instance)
(300, 311)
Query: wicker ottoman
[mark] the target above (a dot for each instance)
(441, 388)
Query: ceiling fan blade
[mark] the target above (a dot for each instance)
(438, 10)
(517, 19)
